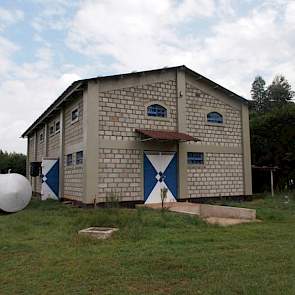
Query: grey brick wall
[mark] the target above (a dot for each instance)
(221, 175)
(73, 175)
(53, 140)
(198, 105)
(73, 132)
(123, 110)
(120, 172)
(73, 180)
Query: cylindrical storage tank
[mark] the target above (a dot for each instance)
(15, 192)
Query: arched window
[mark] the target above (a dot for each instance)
(214, 117)
(156, 110)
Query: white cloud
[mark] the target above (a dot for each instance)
(142, 34)
(8, 17)
(225, 8)
(53, 15)
(210, 36)
(25, 97)
(135, 33)
(7, 48)
(193, 8)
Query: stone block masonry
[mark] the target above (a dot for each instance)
(73, 131)
(73, 174)
(123, 110)
(111, 109)
(120, 174)
(73, 180)
(221, 175)
(53, 140)
(198, 105)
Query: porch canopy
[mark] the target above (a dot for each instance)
(164, 135)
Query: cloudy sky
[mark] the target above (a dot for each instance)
(47, 44)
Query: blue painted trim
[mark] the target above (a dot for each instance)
(150, 174)
(171, 176)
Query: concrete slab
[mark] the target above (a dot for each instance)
(227, 212)
(228, 221)
(214, 214)
(98, 232)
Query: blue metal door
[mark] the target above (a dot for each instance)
(50, 179)
(160, 171)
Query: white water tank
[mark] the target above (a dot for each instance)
(15, 192)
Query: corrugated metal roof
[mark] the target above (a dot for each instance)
(166, 135)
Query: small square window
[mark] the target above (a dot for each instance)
(195, 158)
(69, 159)
(41, 137)
(79, 158)
(51, 129)
(57, 126)
(75, 115)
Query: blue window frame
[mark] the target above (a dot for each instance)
(195, 158)
(156, 110)
(214, 117)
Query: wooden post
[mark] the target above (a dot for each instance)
(271, 182)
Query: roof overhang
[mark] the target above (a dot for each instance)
(55, 105)
(163, 135)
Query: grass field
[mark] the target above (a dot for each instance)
(153, 253)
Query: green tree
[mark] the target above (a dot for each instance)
(273, 143)
(258, 94)
(14, 161)
(279, 92)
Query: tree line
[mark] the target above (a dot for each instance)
(272, 128)
(15, 162)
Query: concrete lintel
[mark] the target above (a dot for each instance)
(73, 148)
(187, 147)
(207, 148)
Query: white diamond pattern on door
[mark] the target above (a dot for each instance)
(160, 171)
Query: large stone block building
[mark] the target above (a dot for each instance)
(130, 135)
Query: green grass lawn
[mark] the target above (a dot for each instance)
(153, 253)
